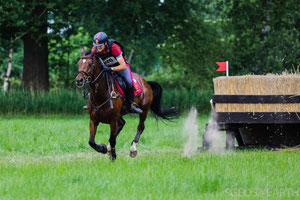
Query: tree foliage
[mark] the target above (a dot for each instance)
(176, 42)
(264, 35)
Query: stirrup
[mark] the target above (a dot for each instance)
(135, 108)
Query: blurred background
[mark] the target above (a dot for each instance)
(174, 42)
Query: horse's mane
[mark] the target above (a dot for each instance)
(88, 52)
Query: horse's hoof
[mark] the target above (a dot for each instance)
(133, 154)
(101, 148)
(133, 150)
(113, 157)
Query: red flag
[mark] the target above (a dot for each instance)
(222, 66)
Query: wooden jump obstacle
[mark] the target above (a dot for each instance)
(256, 119)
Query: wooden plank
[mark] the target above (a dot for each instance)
(258, 117)
(238, 137)
(256, 98)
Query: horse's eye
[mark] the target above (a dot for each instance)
(90, 64)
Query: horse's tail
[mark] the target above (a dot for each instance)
(168, 113)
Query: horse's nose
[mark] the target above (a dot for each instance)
(79, 81)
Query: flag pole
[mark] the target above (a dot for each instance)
(227, 69)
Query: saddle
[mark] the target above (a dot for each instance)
(121, 86)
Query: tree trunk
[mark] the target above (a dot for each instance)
(68, 65)
(132, 50)
(10, 56)
(131, 56)
(36, 72)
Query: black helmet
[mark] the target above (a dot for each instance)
(99, 39)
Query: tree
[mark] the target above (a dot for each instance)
(36, 72)
(64, 55)
(9, 25)
(28, 21)
(134, 23)
(65, 23)
(192, 46)
(264, 35)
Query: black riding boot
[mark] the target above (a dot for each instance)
(134, 107)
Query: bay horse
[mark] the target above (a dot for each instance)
(105, 102)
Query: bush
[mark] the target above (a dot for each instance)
(184, 99)
(71, 102)
(54, 102)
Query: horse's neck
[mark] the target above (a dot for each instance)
(100, 89)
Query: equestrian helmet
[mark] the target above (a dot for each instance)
(99, 39)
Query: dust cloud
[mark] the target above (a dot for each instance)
(190, 132)
(215, 140)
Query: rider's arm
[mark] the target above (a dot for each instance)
(117, 52)
(122, 65)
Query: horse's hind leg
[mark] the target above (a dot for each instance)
(121, 124)
(140, 129)
(93, 129)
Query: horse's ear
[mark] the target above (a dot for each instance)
(93, 50)
(82, 51)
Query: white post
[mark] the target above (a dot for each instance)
(227, 69)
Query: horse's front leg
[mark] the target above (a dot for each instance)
(120, 125)
(112, 138)
(93, 129)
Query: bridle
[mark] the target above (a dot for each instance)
(87, 76)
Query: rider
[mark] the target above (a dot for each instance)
(112, 54)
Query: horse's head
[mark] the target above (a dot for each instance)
(85, 68)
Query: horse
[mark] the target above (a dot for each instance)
(106, 104)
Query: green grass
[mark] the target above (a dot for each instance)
(48, 157)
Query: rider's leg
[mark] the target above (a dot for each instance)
(133, 105)
(127, 77)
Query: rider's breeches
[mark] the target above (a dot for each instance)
(126, 76)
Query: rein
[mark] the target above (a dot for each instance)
(112, 94)
(109, 80)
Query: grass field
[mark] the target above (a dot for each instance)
(48, 157)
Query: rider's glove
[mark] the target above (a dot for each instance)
(106, 68)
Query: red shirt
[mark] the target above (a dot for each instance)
(115, 50)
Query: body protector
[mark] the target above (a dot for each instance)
(108, 58)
